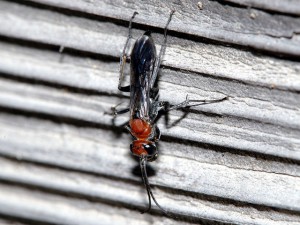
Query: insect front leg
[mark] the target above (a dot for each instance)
(124, 57)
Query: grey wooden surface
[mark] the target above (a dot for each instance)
(291, 7)
(64, 162)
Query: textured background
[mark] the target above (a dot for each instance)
(62, 161)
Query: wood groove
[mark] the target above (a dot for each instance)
(234, 162)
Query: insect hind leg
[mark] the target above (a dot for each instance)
(166, 107)
(189, 103)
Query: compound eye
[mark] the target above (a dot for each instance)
(150, 149)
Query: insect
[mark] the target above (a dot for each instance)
(144, 105)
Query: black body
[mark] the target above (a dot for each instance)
(142, 58)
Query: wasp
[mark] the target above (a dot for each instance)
(144, 105)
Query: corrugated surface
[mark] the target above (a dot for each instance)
(63, 161)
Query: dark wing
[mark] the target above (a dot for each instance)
(142, 60)
(143, 55)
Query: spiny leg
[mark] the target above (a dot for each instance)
(165, 107)
(124, 57)
(161, 53)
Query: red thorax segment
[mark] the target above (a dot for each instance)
(140, 129)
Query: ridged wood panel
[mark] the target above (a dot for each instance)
(64, 161)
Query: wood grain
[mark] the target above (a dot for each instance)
(97, 37)
(213, 22)
(64, 161)
(289, 7)
(79, 150)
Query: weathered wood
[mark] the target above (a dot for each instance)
(42, 99)
(109, 158)
(213, 22)
(102, 38)
(290, 6)
(50, 208)
(11, 221)
(232, 162)
(282, 141)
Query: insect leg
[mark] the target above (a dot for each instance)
(114, 112)
(189, 103)
(124, 57)
(157, 134)
(162, 51)
(118, 112)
